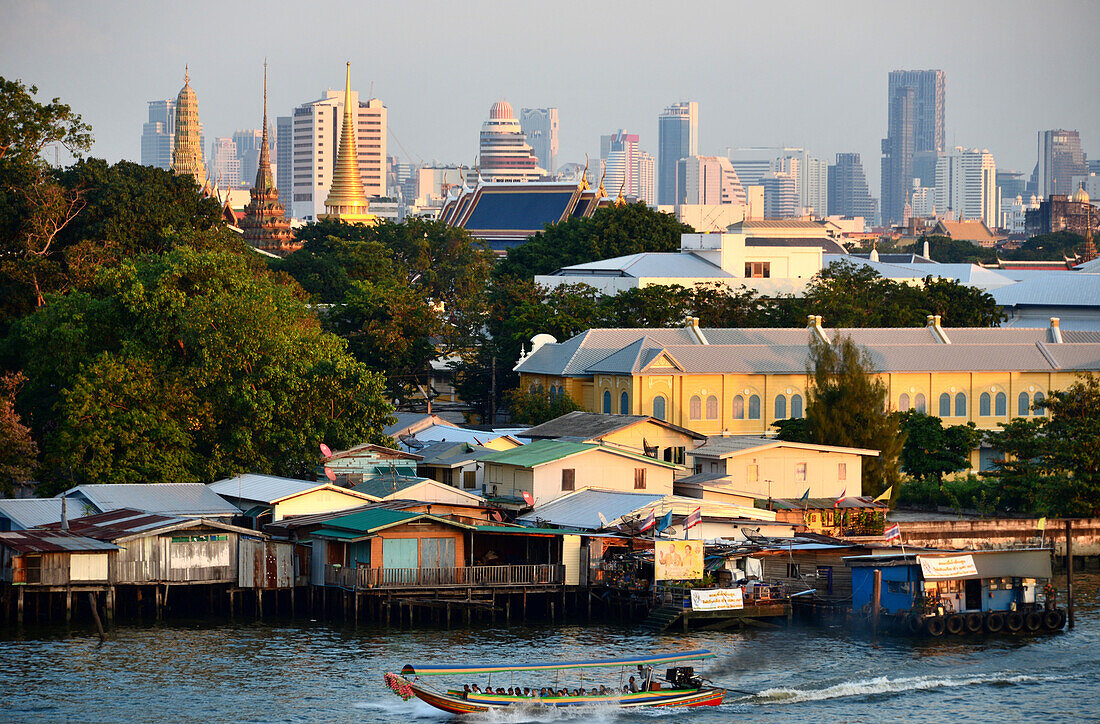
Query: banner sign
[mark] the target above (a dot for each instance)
(948, 567)
(717, 599)
(678, 560)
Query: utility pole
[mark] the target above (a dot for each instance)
(493, 393)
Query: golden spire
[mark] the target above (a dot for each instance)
(346, 199)
(187, 144)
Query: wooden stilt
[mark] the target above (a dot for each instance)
(508, 610)
(19, 607)
(95, 616)
(159, 603)
(110, 603)
(68, 606)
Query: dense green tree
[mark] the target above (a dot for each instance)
(187, 365)
(537, 406)
(846, 406)
(793, 429)
(327, 266)
(611, 231)
(1022, 469)
(1048, 247)
(1073, 439)
(18, 450)
(946, 250)
(931, 450)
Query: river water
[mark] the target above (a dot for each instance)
(303, 671)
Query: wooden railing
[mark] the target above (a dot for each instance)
(467, 576)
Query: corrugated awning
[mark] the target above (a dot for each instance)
(986, 564)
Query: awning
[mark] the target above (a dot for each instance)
(1033, 563)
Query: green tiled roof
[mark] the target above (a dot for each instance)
(541, 452)
(368, 520)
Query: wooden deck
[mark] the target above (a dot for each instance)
(466, 577)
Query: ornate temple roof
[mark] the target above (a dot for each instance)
(346, 199)
(265, 225)
(187, 147)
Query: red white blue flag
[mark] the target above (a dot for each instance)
(892, 533)
(841, 499)
(650, 521)
(694, 518)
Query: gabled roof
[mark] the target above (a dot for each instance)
(413, 422)
(975, 231)
(1076, 289)
(185, 499)
(358, 525)
(294, 522)
(594, 425)
(260, 488)
(330, 487)
(541, 452)
(367, 449)
(650, 264)
(125, 524)
(51, 541)
(445, 454)
(30, 512)
(580, 509)
(727, 447)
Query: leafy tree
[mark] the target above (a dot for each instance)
(1048, 247)
(946, 250)
(611, 231)
(27, 127)
(846, 406)
(183, 366)
(17, 448)
(930, 450)
(1073, 439)
(536, 406)
(793, 429)
(959, 305)
(1022, 471)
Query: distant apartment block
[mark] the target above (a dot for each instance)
(158, 134)
(1060, 159)
(780, 195)
(284, 161)
(316, 134)
(540, 126)
(710, 180)
(677, 137)
(966, 186)
(848, 192)
(503, 151)
(914, 137)
(224, 167)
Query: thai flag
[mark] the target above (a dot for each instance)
(694, 518)
(650, 521)
(841, 499)
(892, 533)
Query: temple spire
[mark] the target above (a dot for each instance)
(346, 199)
(264, 222)
(187, 147)
(264, 180)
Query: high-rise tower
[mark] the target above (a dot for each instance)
(677, 137)
(264, 223)
(157, 134)
(346, 199)
(540, 126)
(187, 148)
(914, 137)
(1060, 159)
(504, 154)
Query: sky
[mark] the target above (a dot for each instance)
(809, 74)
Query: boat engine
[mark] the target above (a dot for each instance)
(683, 677)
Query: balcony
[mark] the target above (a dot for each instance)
(364, 578)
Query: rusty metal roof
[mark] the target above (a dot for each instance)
(51, 541)
(117, 523)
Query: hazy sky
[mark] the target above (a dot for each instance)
(809, 74)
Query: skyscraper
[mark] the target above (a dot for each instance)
(710, 180)
(504, 154)
(247, 141)
(914, 135)
(677, 137)
(264, 223)
(647, 179)
(187, 144)
(157, 134)
(780, 195)
(347, 199)
(848, 192)
(225, 166)
(619, 154)
(540, 126)
(284, 154)
(966, 186)
(315, 139)
(1060, 159)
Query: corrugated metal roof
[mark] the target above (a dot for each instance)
(1056, 290)
(593, 425)
(186, 499)
(540, 452)
(648, 264)
(30, 512)
(261, 488)
(581, 509)
(117, 523)
(382, 486)
(51, 541)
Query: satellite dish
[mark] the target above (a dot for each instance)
(330, 475)
(326, 450)
(411, 442)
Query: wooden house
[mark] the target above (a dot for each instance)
(45, 558)
(266, 498)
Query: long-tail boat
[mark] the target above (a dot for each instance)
(681, 686)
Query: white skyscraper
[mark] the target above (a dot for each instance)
(710, 180)
(966, 186)
(540, 125)
(647, 178)
(316, 134)
(224, 167)
(503, 151)
(158, 133)
(619, 155)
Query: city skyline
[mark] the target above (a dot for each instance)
(73, 52)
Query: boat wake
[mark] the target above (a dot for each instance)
(882, 685)
(537, 714)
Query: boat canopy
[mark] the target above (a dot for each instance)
(441, 669)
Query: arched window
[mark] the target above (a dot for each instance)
(659, 407)
(780, 407)
(960, 405)
(1024, 408)
(796, 405)
(695, 408)
(754, 407)
(738, 407)
(945, 405)
(1039, 409)
(607, 402)
(624, 404)
(920, 404)
(983, 405)
(903, 403)
(712, 407)
(1000, 404)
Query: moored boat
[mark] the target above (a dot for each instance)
(681, 686)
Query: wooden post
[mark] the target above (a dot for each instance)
(1069, 573)
(448, 614)
(356, 594)
(110, 603)
(876, 593)
(19, 607)
(68, 606)
(159, 601)
(508, 610)
(95, 616)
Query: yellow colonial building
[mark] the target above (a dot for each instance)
(740, 381)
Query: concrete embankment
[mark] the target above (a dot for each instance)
(1004, 533)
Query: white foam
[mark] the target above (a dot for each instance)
(883, 685)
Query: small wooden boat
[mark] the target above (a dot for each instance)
(681, 688)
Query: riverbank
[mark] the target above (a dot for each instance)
(313, 671)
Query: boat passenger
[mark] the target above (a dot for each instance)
(633, 685)
(583, 692)
(465, 691)
(475, 689)
(526, 691)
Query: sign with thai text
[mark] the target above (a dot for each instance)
(948, 567)
(678, 560)
(717, 599)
